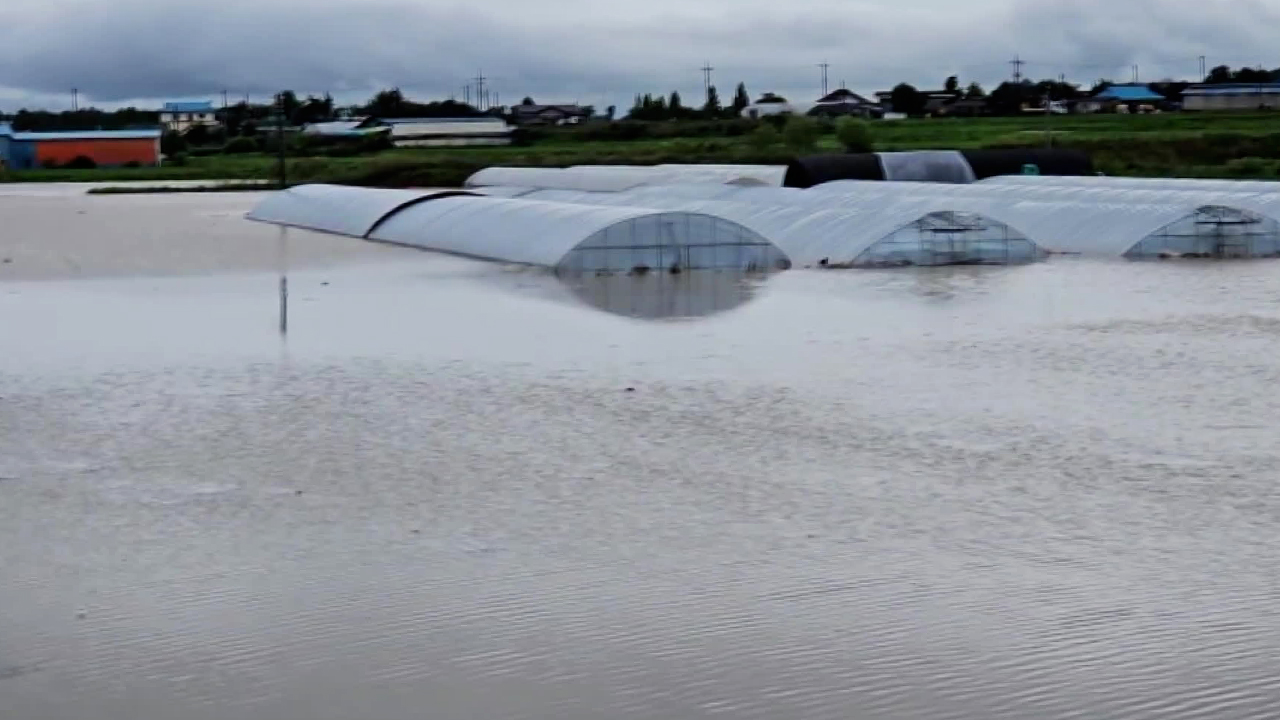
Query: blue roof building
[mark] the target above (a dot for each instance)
(185, 106)
(1129, 93)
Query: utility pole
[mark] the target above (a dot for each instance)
(75, 100)
(480, 78)
(1203, 73)
(466, 94)
(824, 65)
(1135, 73)
(1017, 64)
(284, 181)
(224, 100)
(706, 79)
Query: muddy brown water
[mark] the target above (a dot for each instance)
(1035, 492)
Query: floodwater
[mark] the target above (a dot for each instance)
(1032, 492)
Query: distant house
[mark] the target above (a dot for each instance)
(845, 102)
(549, 114)
(106, 148)
(1131, 97)
(1233, 96)
(772, 104)
(180, 117)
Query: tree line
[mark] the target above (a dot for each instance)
(244, 118)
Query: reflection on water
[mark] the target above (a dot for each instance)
(664, 295)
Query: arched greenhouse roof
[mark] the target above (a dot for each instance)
(579, 236)
(1197, 184)
(614, 178)
(338, 209)
(841, 233)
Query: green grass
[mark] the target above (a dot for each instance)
(1174, 144)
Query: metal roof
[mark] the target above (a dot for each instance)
(1128, 93)
(337, 209)
(188, 106)
(1233, 89)
(7, 131)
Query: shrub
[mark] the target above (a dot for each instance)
(133, 164)
(241, 145)
(764, 137)
(171, 142)
(854, 135)
(49, 164)
(178, 159)
(801, 133)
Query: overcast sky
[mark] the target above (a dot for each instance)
(144, 51)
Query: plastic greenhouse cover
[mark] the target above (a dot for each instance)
(336, 209)
(1263, 203)
(612, 180)
(1263, 186)
(520, 231)
(839, 233)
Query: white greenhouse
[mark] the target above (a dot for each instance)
(1205, 184)
(870, 234)
(338, 209)
(1076, 219)
(580, 238)
(566, 237)
(615, 178)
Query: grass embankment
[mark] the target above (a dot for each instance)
(1241, 145)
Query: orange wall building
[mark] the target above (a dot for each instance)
(106, 148)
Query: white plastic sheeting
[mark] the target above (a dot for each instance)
(1120, 221)
(614, 178)
(579, 237)
(336, 209)
(872, 234)
(1263, 186)
(943, 166)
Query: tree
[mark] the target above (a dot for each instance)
(974, 91)
(1219, 75)
(906, 99)
(711, 108)
(854, 134)
(952, 85)
(801, 133)
(610, 112)
(675, 110)
(740, 99)
(528, 101)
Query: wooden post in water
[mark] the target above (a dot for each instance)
(284, 280)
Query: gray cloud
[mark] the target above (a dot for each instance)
(582, 50)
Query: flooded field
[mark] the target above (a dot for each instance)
(454, 491)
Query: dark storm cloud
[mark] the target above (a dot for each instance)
(576, 49)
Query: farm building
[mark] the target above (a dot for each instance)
(106, 148)
(419, 132)
(182, 116)
(1242, 96)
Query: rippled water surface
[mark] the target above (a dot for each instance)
(971, 493)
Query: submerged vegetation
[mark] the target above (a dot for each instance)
(1239, 145)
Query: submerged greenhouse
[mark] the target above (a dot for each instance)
(847, 234)
(1076, 219)
(565, 237)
